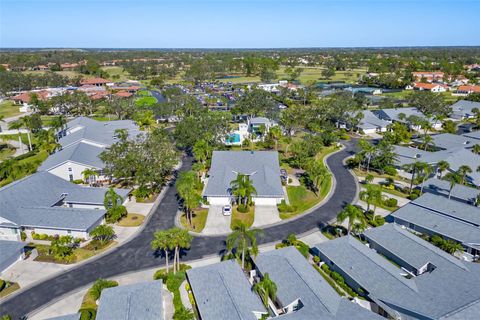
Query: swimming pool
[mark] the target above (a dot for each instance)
(233, 138)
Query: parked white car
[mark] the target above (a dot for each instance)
(227, 210)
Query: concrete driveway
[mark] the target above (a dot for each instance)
(216, 222)
(265, 215)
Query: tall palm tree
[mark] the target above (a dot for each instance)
(266, 289)
(426, 172)
(442, 166)
(202, 151)
(16, 125)
(463, 170)
(241, 239)
(88, 173)
(181, 239)
(162, 241)
(317, 172)
(354, 215)
(237, 187)
(186, 188)
(276, 133)
(372, 195)
(427, 140)
(25, 121)
(367, 150)
(453, 178)
(414, 167)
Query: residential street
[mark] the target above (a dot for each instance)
(136, 254)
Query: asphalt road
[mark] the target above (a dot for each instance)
(136, 254)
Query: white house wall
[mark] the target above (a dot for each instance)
(7, 233)
(266, 201)
(77, 169)
(218, 201)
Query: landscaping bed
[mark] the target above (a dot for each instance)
(198, 220)
(79, 254)
(240, 217)
(7, 287)
(131, 220)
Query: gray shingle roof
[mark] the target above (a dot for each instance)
(450, 141)
(297, 279)
(371, 121)
(260, 120)
(463, 108)
(102, 132)
(82, 153)
(9, 249)
(450, 288)
(408, 155)
(31, 200)
(442, 187)
(445, 217)
(129, 302)
(222, 292)
(262, 166)
(393, 114)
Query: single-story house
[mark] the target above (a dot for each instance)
(302, 292)
(466, 90)
(73, 316)
(449, 141)
(370, 123)
(262, 167)
(10, 252)
(135, 301)
(222, 292)
(430, 76)
(403, 276)
(459, 192)
(432, 87)
(256, 124)
(462, 109)
(46, 204)
(98, 82)
(402, 114)
(437, 215)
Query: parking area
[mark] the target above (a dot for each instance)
(265, 215)
(216, 222)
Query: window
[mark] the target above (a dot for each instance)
(69, 169)
(69, 231)
(70, 177)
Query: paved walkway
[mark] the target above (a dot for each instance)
(136, 254)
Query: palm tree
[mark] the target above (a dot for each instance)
(88, 173)
(463, 171)
(266, 289)
(202, 151)
(414, 167)
(241, 239)
(16, 125)
(25, 121)
(318, 173)
(453, 178)
(242, 188)
(372, 195)
(276, 133)
(442, 166)
(426, 172)
(367, 151)
(181, 239)
(186, 188)
(184, 314)
(354, 215)
(111, 199)
(162, 241)
(58, 123)
(369, 178)
(427, 139)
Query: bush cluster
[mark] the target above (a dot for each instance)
(339, 280)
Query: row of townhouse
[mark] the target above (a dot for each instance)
(222, 291)
(82, 141)
(402, 276)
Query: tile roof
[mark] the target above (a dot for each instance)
(136, 301)
(222, 292)
(89, 81)
(262, 167)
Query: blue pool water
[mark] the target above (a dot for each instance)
(234, 138)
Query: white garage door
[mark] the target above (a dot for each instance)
(265, 201)
(219, 201)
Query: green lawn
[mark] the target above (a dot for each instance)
(314, 74)
(9, 109)
(91, 249)
(245, 218)
(67, 73)
(6, 151)
(131, 220)
(198, 220)
(301, 199)
(114, 71)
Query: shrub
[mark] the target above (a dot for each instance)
(413, 196)
(88, 314)
(377, 221)
(23, 235)
(316, 259)
(142, 192)
(391, 202)
(115, 214)
(284, 207)
(325, 268)
(77, 181)
(242, 208)
(99, 285)
(26, 155)
(390, 170)
(2, 284)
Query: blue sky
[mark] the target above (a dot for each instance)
(238, 24)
